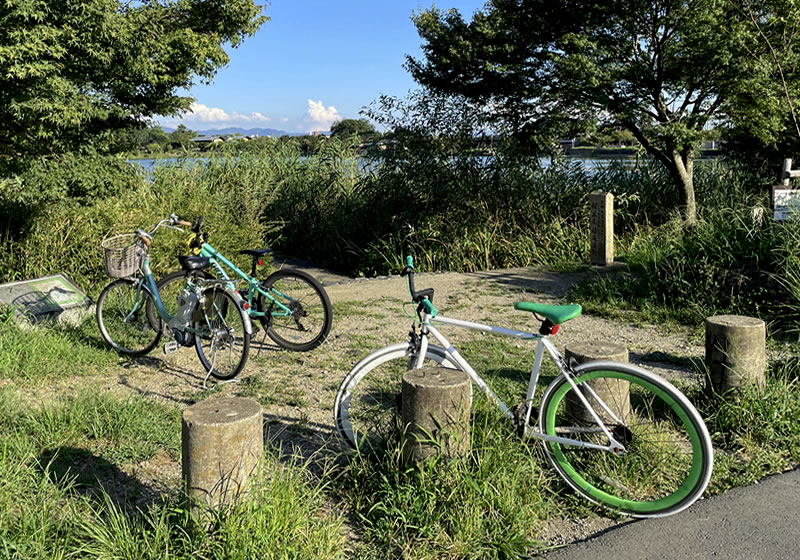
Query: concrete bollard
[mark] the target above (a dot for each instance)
(736, 351)
(222, 443)
(614, 393)
(436, 411)
(601, 228)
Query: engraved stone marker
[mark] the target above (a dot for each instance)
(601, 228)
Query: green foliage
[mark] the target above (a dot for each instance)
(181, 136)
(756, 431)
(608, 135)
(135, 138)
(65, 235)
(735, 260)
(72, 71)
(70, 181)
(362, 129)
(662, 70)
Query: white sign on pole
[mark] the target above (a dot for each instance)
(785, 203)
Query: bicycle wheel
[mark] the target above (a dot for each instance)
(122, 318)
(169, 287)
(221, 340)
(298, 311)
(668, 456)
(366, 411)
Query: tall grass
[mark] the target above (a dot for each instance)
(485, 505)
(736, 260)
(43, 353)
(64, 235)
(437, 198)
(756, 432)
(70, 489)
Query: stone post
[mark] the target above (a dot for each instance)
(222, 443)
(735, 351)
(601, 228)
(786, 174)
(614, 393)
(436, 412)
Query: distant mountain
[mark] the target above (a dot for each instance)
(242, 131)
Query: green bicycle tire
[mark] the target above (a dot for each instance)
(661, 473)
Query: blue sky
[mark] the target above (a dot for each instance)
(314, 62)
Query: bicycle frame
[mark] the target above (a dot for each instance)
(543, 344)
(252, 283)
(149, 281)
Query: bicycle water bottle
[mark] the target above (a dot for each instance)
(187, 301)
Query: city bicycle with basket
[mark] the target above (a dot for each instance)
(617, 434)
(209, 315)
(291, 306)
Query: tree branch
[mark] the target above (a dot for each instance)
(778, 64)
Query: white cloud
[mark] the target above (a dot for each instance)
(322, 118)
(200, 114)
(202, 117)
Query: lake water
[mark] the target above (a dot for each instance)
(590, 164)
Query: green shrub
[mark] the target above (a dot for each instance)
(65, 236)
(733, 261)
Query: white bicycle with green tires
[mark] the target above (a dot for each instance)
(619, 435)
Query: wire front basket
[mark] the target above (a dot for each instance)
(121, 256)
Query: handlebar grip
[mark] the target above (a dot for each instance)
(146, 239)
(184, 223)
(410, 261)
(429, 308)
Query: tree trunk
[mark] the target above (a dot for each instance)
(680, 165)
(683, 169)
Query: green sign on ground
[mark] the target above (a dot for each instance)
(44, 298)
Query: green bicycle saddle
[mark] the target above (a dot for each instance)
(556, 313)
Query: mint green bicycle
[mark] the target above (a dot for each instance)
(291, 306)
(618, 435)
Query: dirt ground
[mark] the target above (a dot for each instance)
(298, 389)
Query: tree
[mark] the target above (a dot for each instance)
(361, 128)
(134, 139)
(663, 69)
(182, 136)
(71, 72)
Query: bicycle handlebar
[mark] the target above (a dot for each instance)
(147, 238)
(423, 297)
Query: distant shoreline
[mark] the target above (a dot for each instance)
(599, 153)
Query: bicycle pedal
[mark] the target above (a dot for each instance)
(170, 347)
